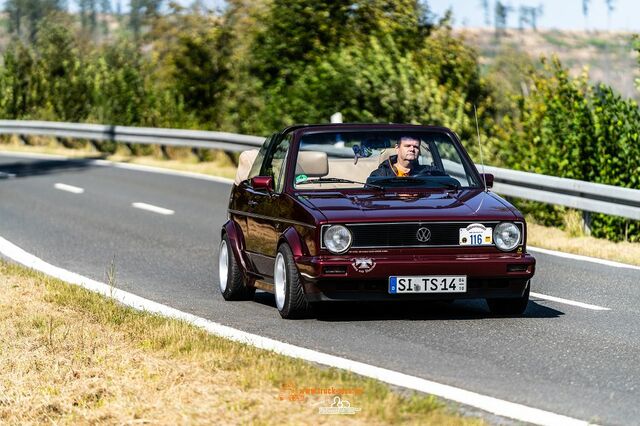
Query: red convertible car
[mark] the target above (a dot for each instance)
(370, 212)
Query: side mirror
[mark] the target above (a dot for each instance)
(262, 183)
(487, 177)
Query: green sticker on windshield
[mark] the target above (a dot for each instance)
(301, 178)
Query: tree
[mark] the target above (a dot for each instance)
(141, 13)
(26, 15)
(65, 85)
(105, 9)
(566, 127)
(18, 81)
(88, 15)
(192, 57)
(585, 12)
(15, 11)
(529, 16)
(501, 14)
(509, 80)
(636, 47)
(299, 31)
(300, 68)
(485, 8)
(119, 95)
(386, 85)
(610, 6)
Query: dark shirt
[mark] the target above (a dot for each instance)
(388, 168)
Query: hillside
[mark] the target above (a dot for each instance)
(608, 55)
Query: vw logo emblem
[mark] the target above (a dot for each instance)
(423, 235)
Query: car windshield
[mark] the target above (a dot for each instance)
(379, 160)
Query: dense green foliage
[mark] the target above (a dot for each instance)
(261, 65)
(569, 128)
(636, 46)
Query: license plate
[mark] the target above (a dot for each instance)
(476, 234)
(428, 284)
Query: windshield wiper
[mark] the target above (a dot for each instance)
(338, 180)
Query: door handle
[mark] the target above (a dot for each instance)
(252, 203)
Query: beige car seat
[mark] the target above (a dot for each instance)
(385, 154)
(244, 165)
(312, 164)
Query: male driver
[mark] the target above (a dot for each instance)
(405, 163)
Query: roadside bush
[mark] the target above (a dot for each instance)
(119, 94)
(571, 129)
(636, 47)
(18, 85)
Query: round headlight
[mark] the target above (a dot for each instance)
(506, 236)
(337, 239)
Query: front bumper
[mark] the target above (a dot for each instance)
(495, 275)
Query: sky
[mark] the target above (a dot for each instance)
(557, 14)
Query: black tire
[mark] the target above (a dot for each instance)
(511, 306)
(231, 284)
(290, 299)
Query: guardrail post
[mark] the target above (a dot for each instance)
(586, 222)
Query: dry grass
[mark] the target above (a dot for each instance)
(186, 161)
(557, 239)
(69, 356)
(573, 223)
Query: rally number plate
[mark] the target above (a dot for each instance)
(476, 234)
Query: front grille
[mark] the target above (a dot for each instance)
(404, 234)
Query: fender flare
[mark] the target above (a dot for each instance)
(297, 245)
(236, 239)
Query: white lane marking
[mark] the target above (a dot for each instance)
(68, 188)
(152, 208)
(583, 258)
(6, 175)
(569, 302)
(493, 405)
(128, 166)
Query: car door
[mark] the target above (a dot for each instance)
(243, 201)
(264, 219)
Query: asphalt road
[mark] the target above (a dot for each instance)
(557, 357)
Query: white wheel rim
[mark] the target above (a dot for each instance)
(223, 265)
(280, 280)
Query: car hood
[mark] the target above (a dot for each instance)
(453, 205)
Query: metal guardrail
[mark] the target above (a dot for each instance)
(144, 135)
(576, 194)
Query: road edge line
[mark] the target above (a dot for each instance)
(569, 302)
(486, 403)
(583, 258)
